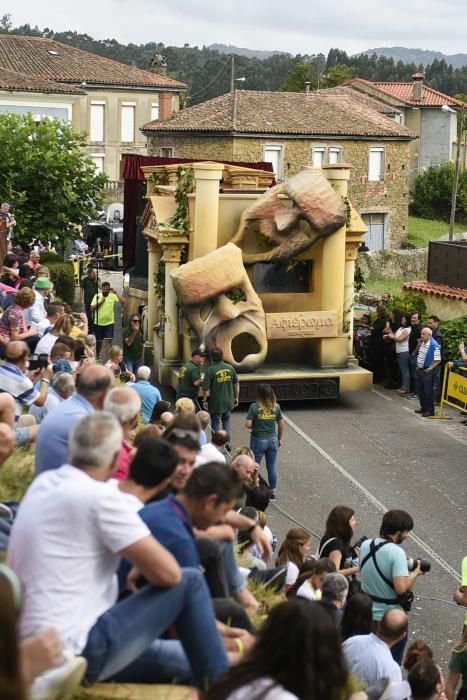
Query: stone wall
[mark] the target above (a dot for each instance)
(408, 264)
(192, 146)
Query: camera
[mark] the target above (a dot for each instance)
(412, 564)
(355, 550)
(40, 361)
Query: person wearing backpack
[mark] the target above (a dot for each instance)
(335, 543)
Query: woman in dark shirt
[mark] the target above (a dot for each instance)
(335, 543)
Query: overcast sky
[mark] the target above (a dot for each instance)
(297, 26)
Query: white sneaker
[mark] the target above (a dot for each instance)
(57, 682)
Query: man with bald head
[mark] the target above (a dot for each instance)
(369, 655)
(92, 386)
(248, 471)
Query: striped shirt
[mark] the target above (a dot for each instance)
(422, 354)
(13, 381)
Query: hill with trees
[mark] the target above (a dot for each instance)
(423, 56)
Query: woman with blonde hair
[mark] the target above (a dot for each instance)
(292, 553)
(63, 326)
(263, 416)
(184, 405)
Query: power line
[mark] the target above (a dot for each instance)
(212, 81)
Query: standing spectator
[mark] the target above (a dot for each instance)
(8, 219)
(390, 350)
(428, 358)
(103, 305)
(292, 553)
(414, 342)
(462, 362)
(377, 344)
(13, 324)
(189, 378)
(89, 287)
(263, 416)
(133, 344)
(401, 339)
(148, 393)
(92, 385)
(37, 312)
(457, 670)
(222, 387)
(335, 543)
(433, 324)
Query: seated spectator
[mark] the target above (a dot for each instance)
(148, 393)
(334, 595)
(415, 652)
(148, 431)
(369, 655)
(13, 325)
(205, 420)
(92, 385)
(166, 419)
(184, 405)
(62, 386)
(54, 310)
(214, 451)
(357, 617)
(90, 346)
(255, 490)
(311, 586)
(58, 536)
(60, 357)
(335, 543)
(426, 681)
(7, 437)
(42, 289)
(160, 408)
(10, 270)
(115, 362)
(62, 326)
(80, 326)
(149, 473)
(458, 670)
(311, 664)
(292, 553)
(125, 404)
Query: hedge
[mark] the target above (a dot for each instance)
(62, 275)
(453, 332)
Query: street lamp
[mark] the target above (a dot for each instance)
(460, 131)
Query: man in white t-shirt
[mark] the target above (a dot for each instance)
(70, 533)
(214, 451)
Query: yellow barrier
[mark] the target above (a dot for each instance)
(76, 260)
(454, 391)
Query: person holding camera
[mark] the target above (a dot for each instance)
(384, 569)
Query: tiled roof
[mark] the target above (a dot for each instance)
(286, 113)
(438, 290)
(52, 60)
(404, 93)
(382, 107)
(11, 80)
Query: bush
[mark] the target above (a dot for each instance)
(62, 275)
(408, 302)
(453, 332)
(433, 192)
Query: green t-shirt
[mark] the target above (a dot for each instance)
(89, 288)
(219, 380)
(104, 315)
(188, 374)
(264, 420)
(135, 350)
(458, 664)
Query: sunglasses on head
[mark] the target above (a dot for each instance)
(181, 434)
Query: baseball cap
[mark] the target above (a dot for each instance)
(43, 283)
(199, 352)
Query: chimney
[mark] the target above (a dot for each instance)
(158, 65)
(165, 106)
(417, 87)
(307, 86)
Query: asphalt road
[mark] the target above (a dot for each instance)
(370, 451)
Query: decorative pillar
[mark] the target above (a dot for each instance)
(349, 292)
(207, 179)
(154, 256)
(332, 352)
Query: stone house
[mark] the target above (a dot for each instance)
(292, 130)
(107, 99)
(429, 113)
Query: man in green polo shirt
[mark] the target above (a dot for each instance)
(189, 378)
(88, 290)
(103, 306)
(222, 387)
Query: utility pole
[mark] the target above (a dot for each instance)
(232, 72)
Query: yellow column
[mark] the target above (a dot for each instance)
(154, 256)
(332, 352)
(172, 254)
(207, 179)
(349, 292)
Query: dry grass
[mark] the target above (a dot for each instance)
(16, 474)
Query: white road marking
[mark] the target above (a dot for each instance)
(383, 396)
(376, 502)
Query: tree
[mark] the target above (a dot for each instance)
(433, 192)
(337, 75)
(300, 74)
(46, 174)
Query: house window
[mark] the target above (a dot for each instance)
(167, 152)
(273, 154)
(318, 156)
(98, 159)
(376, 164)
(97, 122)
(128, 122)
(334, 155)
(154, 111)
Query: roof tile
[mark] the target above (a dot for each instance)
(11, 80)
(438, 290)
(404, 93)
(293, 113)
(53, 60)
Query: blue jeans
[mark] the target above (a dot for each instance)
(403, 359)
(216, 419)
(235, 579)
(124, 642)
(413, 373)
(425, 383)
(267, 447)
(133, 365)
